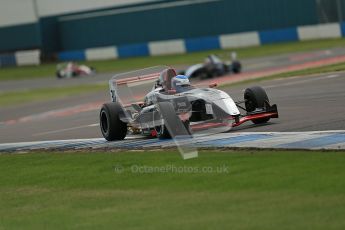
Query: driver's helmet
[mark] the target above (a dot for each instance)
(179, 82)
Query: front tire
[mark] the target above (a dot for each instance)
(112, 127)
(256, 97)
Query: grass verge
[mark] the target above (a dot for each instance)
(36, 95)
(46, 70)
(155, 190)
(340, 67)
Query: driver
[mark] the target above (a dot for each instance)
(181, 83)
(164, 81)
(214, 65)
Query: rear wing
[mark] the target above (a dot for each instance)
(132, 87)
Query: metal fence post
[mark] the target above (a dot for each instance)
(340, 11)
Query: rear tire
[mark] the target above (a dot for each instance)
(256, 97)
(58, 75)
(168, 113)
(93, 71)
(236, 67)
(112, 127)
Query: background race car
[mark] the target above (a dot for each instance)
(71, 69)
(213, 66)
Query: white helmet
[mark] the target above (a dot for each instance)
(179, 81)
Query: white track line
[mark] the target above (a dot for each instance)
(64, 130)
(302, 81)
(333, 76)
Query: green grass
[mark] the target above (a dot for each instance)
(47, 70)
(339, 67)
(45, 94)
(262, 190)
(27, 72)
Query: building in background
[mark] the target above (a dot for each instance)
(140, 27)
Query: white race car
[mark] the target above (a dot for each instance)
(158, 103)
(71, 69)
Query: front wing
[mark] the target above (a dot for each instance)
(270, 112)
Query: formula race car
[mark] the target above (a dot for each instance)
(213, 66)
(159, 103)
(71, 69)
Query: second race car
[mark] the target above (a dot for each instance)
(213, 66)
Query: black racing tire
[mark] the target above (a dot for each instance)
(58, 75)
(75, 74)
(236, 67)
(168, 113)
(112, 127)
(93, 71)
(163, 133)
(256, 97)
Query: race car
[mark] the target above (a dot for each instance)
(213, 66)
(71, 69)
(173, 107)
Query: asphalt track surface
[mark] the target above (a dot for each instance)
(311, 103)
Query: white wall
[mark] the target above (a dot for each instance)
(28, 57)
(55, 7)
(239, 40)
(16, 12)
(167, 47)
(322, 31)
